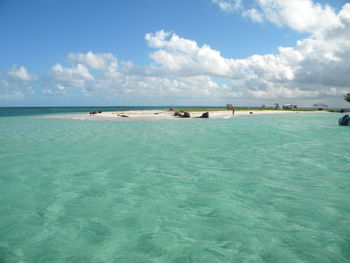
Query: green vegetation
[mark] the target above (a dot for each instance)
(236, 109)
(255, 109)
(346, 98)
(299, 109)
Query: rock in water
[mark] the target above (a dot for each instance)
(344, 121)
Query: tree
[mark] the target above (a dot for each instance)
(347, 97)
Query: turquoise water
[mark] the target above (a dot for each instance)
(249, 189)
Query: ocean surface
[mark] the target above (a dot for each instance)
(267, 188)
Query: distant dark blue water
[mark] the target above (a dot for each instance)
(27, 111)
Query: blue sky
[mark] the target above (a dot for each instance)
(203, 52)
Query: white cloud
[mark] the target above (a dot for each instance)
(228, 5)
(151, 81)
(75, 76)
(6, 93)
(170, 41)
(316, 66)
(15, 84)
(93, 61)
(55, 90)
(13, 96)
(21, 74)
(293, 72)
(179, 56)
(299, 15)
(253, 14)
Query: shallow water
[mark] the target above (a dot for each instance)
(249, 189)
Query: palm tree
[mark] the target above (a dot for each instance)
(347, 97)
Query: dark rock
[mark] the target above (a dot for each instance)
(344, 121)
(93, 112)
(205, 115)
(251, 112)
(99, 111)
(186, 115)
(182, 114)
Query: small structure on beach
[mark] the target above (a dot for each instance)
(320, 106)
(290, 106)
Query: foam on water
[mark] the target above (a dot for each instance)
(250, 189)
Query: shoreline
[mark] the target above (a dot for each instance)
(159, 115)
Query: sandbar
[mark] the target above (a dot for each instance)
(158, 115)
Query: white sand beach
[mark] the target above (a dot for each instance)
(155, 115)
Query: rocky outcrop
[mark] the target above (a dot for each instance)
(205, 115)
(182, 114)
(186, 115)
(344, 121)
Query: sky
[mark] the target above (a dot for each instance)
(162, 52)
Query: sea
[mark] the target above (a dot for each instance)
(257, 188)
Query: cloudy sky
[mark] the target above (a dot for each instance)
(167, 52)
